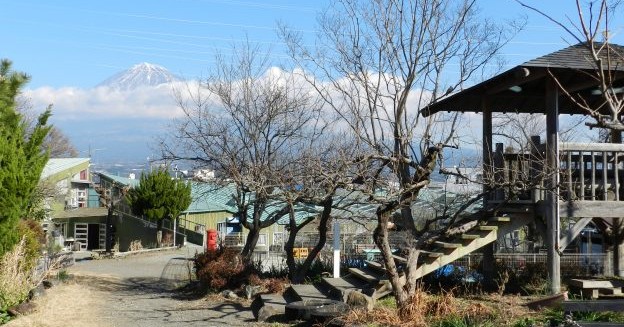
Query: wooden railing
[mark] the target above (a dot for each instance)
(591, 171)
(587, 172)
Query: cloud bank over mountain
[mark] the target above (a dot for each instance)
(123, 116)
(143, 91)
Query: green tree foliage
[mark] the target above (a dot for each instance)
(158, 196)
(22, 157)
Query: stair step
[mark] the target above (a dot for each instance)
(399, 258)
(434, 254)
(487, 227)
(307, 292)
(470, 236)
(336, 286)
(368, 276)
(500, 219)
(431, 264)
(447, 245)
(374, 265)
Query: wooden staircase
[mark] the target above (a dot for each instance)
(440, 254)
(372, 279)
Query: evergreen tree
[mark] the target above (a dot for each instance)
(158, 197)
(21, 156)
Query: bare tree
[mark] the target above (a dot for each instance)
(377, 63)
(322, 187)
(59, 145)
(250, 122)
(56, 142)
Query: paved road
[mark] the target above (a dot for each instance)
(137, 291)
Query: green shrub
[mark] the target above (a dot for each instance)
(34, 238)
(4, 317)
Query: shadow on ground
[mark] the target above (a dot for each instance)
(170, 299)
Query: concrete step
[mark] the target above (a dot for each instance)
(308, 292)
(337, 286)
(269, 306)
(367, 275)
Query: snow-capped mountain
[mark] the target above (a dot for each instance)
(140, 75)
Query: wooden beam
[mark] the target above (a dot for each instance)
(447, 245)
(598, 147)
(581, 209)
(573, 233)
(518, 77)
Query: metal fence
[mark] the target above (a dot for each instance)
(572, 264)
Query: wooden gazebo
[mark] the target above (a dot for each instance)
(583, 180)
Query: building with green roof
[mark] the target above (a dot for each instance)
(71, 199)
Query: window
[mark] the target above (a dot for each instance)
(83, 175)
(278, 238)
(221, 227)
(262, 239)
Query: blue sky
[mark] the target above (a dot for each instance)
(80, 43)
(69, 46)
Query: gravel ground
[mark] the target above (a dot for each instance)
(134, 291)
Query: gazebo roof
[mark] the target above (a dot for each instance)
(522, 88)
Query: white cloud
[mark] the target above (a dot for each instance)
(72, 103)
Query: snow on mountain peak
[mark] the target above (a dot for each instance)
(140, 75)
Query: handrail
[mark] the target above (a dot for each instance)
(588, 172)
(598, 147)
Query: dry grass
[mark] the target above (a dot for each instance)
(427, 309)
(135, 245)
(64, 305)
(16, 278)
(269, 285)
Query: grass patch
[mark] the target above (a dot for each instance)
(387, 302)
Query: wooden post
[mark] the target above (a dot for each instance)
(552, 187)
(500, 173)
(487, 150)
(536, 166)
(488, 261)
(618, 247)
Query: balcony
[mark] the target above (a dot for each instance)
(589, 174)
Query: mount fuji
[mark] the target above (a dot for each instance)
(140, 75)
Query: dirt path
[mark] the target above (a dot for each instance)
(134, 291)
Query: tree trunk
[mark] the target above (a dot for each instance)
(159, 225)
(290, 256)
(250, 244)
(382, 241)
(323, 227)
